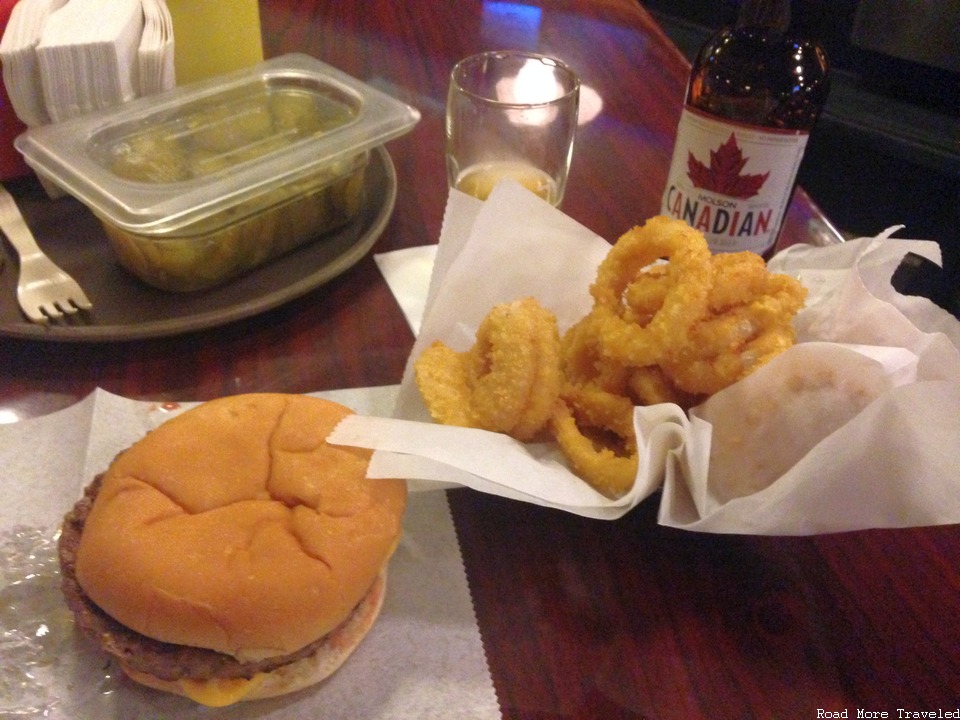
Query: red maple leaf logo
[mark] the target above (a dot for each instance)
(723, 176)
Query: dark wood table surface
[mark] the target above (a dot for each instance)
(580, 618)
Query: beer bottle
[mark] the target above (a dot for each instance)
(753, 96)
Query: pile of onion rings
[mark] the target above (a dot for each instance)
(670, 323)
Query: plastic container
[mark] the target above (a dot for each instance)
(200, 184)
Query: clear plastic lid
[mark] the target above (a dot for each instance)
(165, 161)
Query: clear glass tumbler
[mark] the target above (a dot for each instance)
(511, 114)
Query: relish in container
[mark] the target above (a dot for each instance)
(200, 184)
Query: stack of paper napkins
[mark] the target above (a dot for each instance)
(63, 59)
(155, 52)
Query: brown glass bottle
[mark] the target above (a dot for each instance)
(754, 94)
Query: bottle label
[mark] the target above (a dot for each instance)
(732, 182)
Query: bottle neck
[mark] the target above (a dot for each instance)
(771, 14)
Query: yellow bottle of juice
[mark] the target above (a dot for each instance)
(212, 37)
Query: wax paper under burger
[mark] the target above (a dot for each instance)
(854, 427)
(427, 630)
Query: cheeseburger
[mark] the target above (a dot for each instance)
(232, 554)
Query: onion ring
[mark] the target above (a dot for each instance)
(502, 367)
(609, 473)
(582, 359)
(645, 294)
(508, 381)
(651, 386)
(755, 325)
(601, 408)
(548, 378)
(441, 376)
(712, 374)
(736, 276)
(690, 275)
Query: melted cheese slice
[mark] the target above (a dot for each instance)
(220, 692)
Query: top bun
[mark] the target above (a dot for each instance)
(236, 527)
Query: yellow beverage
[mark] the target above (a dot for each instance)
(212, 37)
(479, 180)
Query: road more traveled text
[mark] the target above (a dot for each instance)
(899, 713)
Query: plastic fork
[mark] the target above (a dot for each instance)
(44, 291)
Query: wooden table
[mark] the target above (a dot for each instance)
(581, 619)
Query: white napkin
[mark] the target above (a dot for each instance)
(155, 68)
(65, 59)
(856, 427)
(423, 658)
(413, 268)
(21, 69)
(88, 56)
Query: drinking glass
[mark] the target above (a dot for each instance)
(511, 114)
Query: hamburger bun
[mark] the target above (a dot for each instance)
(234, 539)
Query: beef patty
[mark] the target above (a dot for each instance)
(166, 661)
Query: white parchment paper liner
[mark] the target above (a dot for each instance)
(423, 658)
(856, 427)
